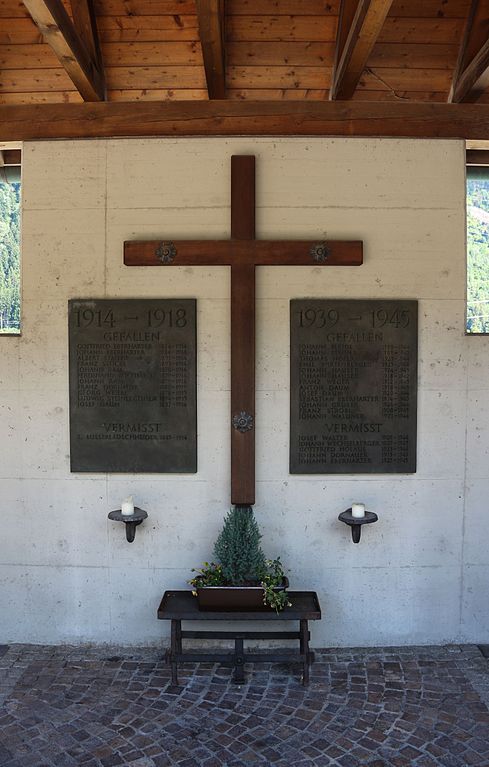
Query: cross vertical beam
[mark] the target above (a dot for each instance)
(243, 335)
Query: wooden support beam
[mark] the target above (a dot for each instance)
(210, 14)
(347, 12)
(85, 23)
(471, 74)
(359, 26)
(244, 118)
(74, 42)
(474, 81)
(476, 34)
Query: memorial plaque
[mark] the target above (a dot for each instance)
(133, 385)
(353, 386)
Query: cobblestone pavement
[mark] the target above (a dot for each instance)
(413, 707)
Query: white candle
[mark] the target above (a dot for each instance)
(358, 510)
(127, 506)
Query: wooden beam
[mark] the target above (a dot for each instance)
(474, 81)
(247, 118)
(77, 54)
(85, 23)
(470, 74)
(348, 9)
(210, 14)
(248, 252)
(356, 44)
(243, 331)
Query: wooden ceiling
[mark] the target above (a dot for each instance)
(273, 50)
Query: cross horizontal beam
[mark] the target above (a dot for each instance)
(252, 252)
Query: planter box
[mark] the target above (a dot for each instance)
(234, 598)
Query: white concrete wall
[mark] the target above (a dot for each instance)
(420, 575)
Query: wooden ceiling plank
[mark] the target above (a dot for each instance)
(159, 94)
(307, 28)
(60, 33)
(316, 94)
(246, 118)
(136, 78)
(40, 97)
(283, 53)
(430, 31)
(471, 73)
(440, 9)
(152, 54)
(282, 7)
(210, 15)
(354, 47)
(31, 81)
(37, 56)
(153, 29)
(133, 8)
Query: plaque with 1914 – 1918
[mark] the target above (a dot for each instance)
(133, 385)
(353, 402)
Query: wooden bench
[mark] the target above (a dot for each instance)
(178, 606)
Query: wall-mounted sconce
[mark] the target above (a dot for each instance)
(131, 521)
(355, 517)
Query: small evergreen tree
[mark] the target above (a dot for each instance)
(238, 547)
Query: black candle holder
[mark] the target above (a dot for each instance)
(131, 521)
(356, 522)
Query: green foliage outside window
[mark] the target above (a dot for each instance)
(9, 258)
(477, 250)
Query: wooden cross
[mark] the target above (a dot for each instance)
(243, 254)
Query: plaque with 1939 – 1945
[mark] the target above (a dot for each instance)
(353, 406)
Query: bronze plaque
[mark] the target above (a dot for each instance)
(133, 385)
(353, 385)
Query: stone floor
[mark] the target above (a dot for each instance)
(419, 707)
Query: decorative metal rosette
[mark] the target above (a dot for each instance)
(166, 252)
(320, 252)
(243, 422)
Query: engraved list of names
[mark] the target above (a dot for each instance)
(133, 385)
(353, 386)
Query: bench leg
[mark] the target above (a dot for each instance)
(304, 648)
(175, 647)
(238, 676)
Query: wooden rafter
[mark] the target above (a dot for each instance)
(74, 42)
(85, 23)
(471, 74)
(210, 14)
(360, 23)
(247, 118)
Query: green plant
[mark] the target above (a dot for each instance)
(238, 548)
(210, 574)
(274, 585)
(242, 562)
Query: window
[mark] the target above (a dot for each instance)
(9, 242)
